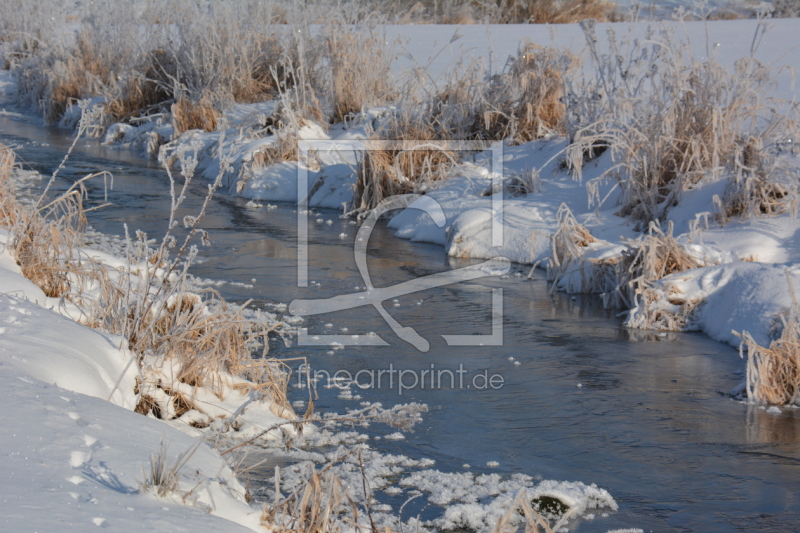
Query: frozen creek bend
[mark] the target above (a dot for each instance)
(644, 415)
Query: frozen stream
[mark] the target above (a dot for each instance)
(643, 415)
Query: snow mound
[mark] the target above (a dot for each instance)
(36, 342)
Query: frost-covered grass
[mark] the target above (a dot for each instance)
(192, 352)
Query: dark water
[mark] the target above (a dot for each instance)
(651, 421)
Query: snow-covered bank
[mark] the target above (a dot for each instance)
(76, 452)
(73, 459)
(72, 462)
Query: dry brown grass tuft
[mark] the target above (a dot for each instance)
(206, 338)
(411, 166)
(621, 280)
(8, 200)
(323, 503)
(647, 259)
(151, 86)
(283, 149)
(261, 73)
(359, 69)
(315, 507)
(527, 101)
(522, 103)
(760, 184)
(45, 242)
(558, 11)
(189, 115)
(566, 243)
(567, 268)
(773, 374)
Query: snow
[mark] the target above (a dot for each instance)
(71, 458)
(32, 341)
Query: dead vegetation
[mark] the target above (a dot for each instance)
(649, 258)
(672, 121)
(773, 373)
(761, 183)
(497, 11)
(402, 167)
(524, 102)
(556, 11)
(182, 341)
(188, 115)
(318, 505)
(360, 75)
(622, 280)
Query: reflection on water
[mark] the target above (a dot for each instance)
(645, 415)
(267, 248)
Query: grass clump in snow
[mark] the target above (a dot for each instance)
(567, 243)
(524, 102)
(773, 373)
(760, 184)
(316, 506)
(162, 478)
(413, 166)
(622, 279)
(649, 258)
(359, 70)
(188, 115)
(45, 239)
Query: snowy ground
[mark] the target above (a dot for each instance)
(72, 459)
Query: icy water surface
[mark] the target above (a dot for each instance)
(643, 415)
